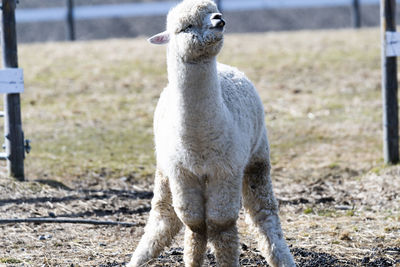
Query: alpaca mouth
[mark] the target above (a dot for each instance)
(218, 28)
(215, 40)
(220, 25)
(217, 22)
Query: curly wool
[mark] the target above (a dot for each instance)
(212, 150)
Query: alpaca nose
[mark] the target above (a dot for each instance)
(216, 16)
(220, 23)
(217, 21)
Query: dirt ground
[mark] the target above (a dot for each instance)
(343, 219)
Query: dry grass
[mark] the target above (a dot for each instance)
(88, 106)
(88, 110)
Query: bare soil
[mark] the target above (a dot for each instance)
(328, 222)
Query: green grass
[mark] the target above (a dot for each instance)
(9, 260)
(308, 210)
(88, 106)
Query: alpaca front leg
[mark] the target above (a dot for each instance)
(223, 206)
(162, 225)
(225, 242)
(188, 202)
(195, 247)
(262, 214)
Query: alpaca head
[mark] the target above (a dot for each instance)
(194, 31)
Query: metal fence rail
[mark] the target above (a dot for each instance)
(161, 8)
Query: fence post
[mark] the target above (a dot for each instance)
(389, 87)
(356, 14)
(218, 2)
(14, 136)
(70, 20)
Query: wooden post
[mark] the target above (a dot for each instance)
(356, 14)
(70, 20)
(14, 137)
(389, 87)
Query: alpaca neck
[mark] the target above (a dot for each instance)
(196, 89)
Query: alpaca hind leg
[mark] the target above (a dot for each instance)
(162, 225)
(222, 213)
(262, 214)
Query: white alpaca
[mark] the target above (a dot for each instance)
(212, 148)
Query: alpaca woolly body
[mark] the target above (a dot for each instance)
(210, 124)
(212, 150)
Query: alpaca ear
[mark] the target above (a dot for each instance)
(160, 39)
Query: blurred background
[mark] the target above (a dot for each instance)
(52, 20)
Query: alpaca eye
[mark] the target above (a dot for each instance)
(188, 28)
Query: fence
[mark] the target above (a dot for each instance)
(389, 81)
(71, 13)
(12, 84)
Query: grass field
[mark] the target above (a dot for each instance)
(88, 110)
(88, 106)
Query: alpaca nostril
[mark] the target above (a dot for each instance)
(221, 23)
(216, 16)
